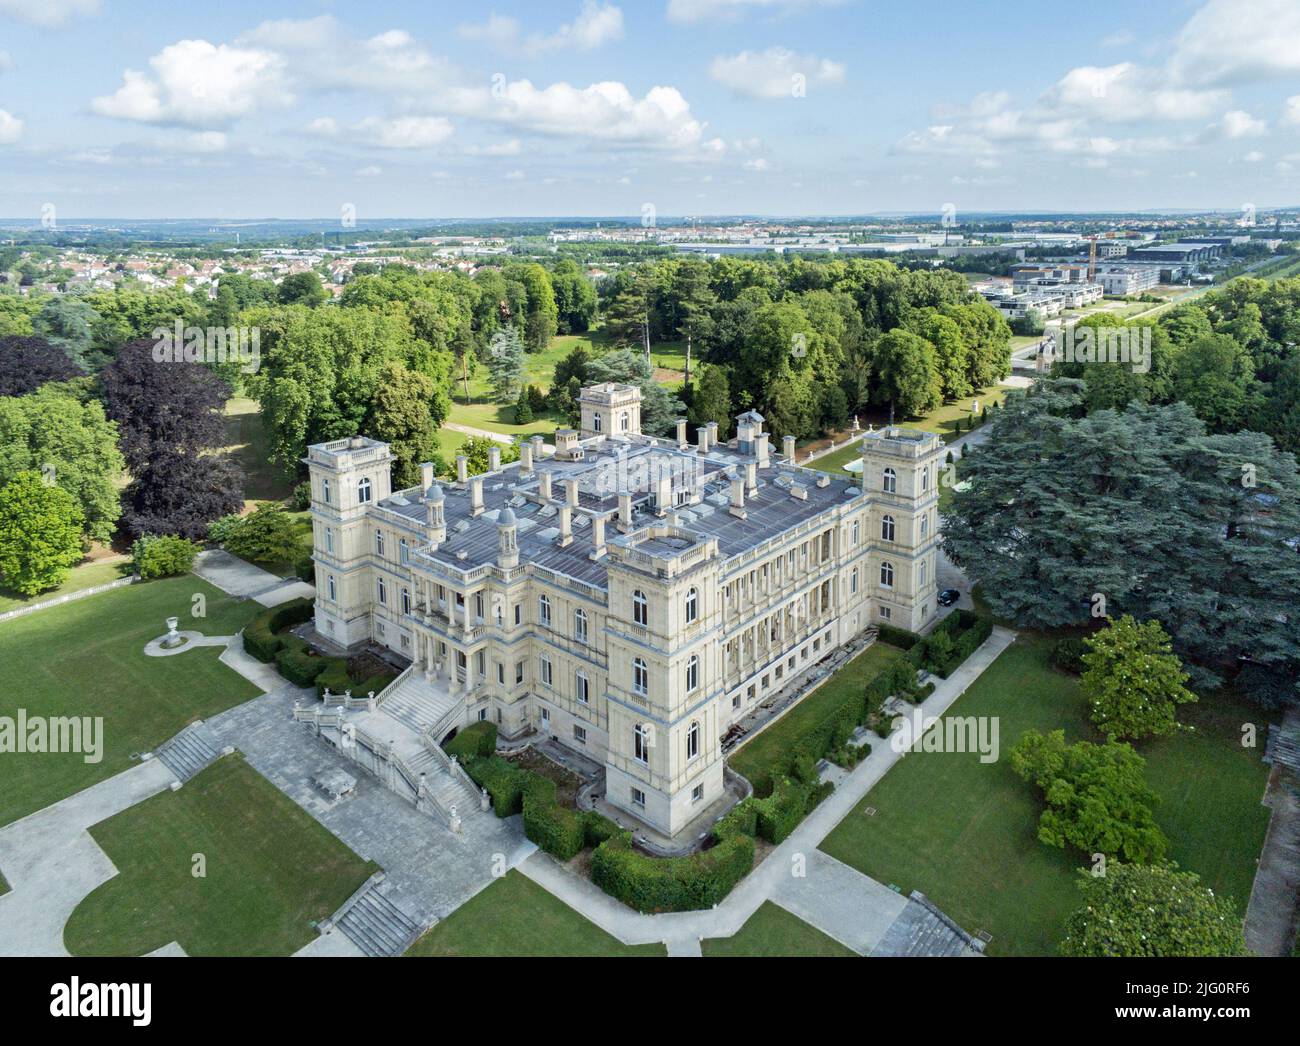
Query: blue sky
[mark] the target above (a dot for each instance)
(110, 108)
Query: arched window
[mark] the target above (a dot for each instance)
(925, 526)
(544, 610)
(692, 673)
(692, 605)
(641, 743)
(363, 490)
(580, 625)
(921, 576)
(886, 575)
(640, 677)
(640, 608)
(856, 532)
(887, 528)
(853, 581)
(891, 481)
(693, 740)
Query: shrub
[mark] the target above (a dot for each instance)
(596, 828)
(302, 496)
(899, 637)
(473, 741)
(222, 527)
(671, 884)
(556, 829)
(780, 813)
(163, 556)
(296, 662)
(266, 536)
(502, 780)
(260, 638)
(306, 569)
(334, 677)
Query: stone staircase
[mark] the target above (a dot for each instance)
(416, 704)
(189, 752)
(374, 923)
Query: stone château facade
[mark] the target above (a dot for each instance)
(631, 596)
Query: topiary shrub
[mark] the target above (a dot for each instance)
(554, 828)
(165, 555)
(296, 662)
(502, 780)
(596, 828)
(473, 741)
(671, 884)
(260, 638)
(1067, 655)
(334, 677)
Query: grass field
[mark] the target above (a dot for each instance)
(84, 575)
(4, 885)
(773, 932)
(246, 438)
(87, 659)
(756, 757)
(964, 833)
(516, 917)
(271, 870)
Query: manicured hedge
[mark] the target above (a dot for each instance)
(260, 634)
(671, 884)
(296, 662)
(790, 802)
(334, 677)
(503, 781)
(554, 828)
(477, 739)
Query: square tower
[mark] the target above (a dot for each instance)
(348, 478)
(610, 409)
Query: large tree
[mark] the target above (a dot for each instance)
(71, 444)
(40, 534)
(401, 416)
(1139, 512)
(1151, 911)
(1132, 681)
(505, 363)
(908, 373)
(28, 362)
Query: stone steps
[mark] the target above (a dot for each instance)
(416, 705)
(189, 752)
(377, 926)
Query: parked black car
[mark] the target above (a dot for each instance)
(948, 597)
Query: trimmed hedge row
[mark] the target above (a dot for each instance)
(477, 739)
(671, 884)
(260, 638)
(296, 662)
(950, 643)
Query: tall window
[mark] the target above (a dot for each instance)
(925, 526)
(640, 677)
(623, 421)
(596, 423)
(887, 528)
(692, 673)
(363, 490)
(406, 601)
(329, 540)
(325, 490)
(891, 481)
(925, 479)
(383, 592)
(379, 542)
(887, 575)
(545, 663)
(857, 531)
(582, 687)
(580, 625)
(921, 575)
(640, 608)
(853, 581)
(544, 610)
(333, 594)
(693, 740)
(692, 605)
(403, 551)
(641, 743)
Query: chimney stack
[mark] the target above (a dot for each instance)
(537, 443)
(571, 493)
(702, 439)
(681, 433)
(426, 476)
(663, 493)
(462, 469)
(476, 496)
(713, 434)
(737, 496)
(761, 449)
(787, 448)
(751, 478)
(597, 537)
(494, 458)
(544, 484)
(624, 511)
(566, 526)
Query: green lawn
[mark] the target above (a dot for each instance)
(964, 833)
(755, 758)
(498, 417)
(246, 438)
(4, 885)
(86, 658)
(83, 576)
(773, 932)
(516, 917)
(271, 872)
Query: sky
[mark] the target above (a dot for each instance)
(143, 109)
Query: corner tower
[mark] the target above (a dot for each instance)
(610, 409)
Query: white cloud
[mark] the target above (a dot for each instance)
(11, 128)
(756, 164)
(1127, 93)
(369, 171)
(1254, 156)
(701, 10)
(196, 83)
(595, 25)
(510, 148)
(1292, 113)
(326, 126)
(208, 142)
(606, 111)
(405, 132)
(1229, 42)
(1240, 124)
(48, 14)
(774, 73)
(6, 62)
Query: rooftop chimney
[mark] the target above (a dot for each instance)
(663, 494)
(702, 439)
(787, 448)
(713, 434)
(571, 493)
(751, 477)
(681, 433)
(494, 458)
(624, 511)
(426, 476)
(544, 484)
(738, 496)
(597, 537)
(525, 459)
(761, 449)
(538, 443)
(566, 525)
(476, 496)
(462, 469)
